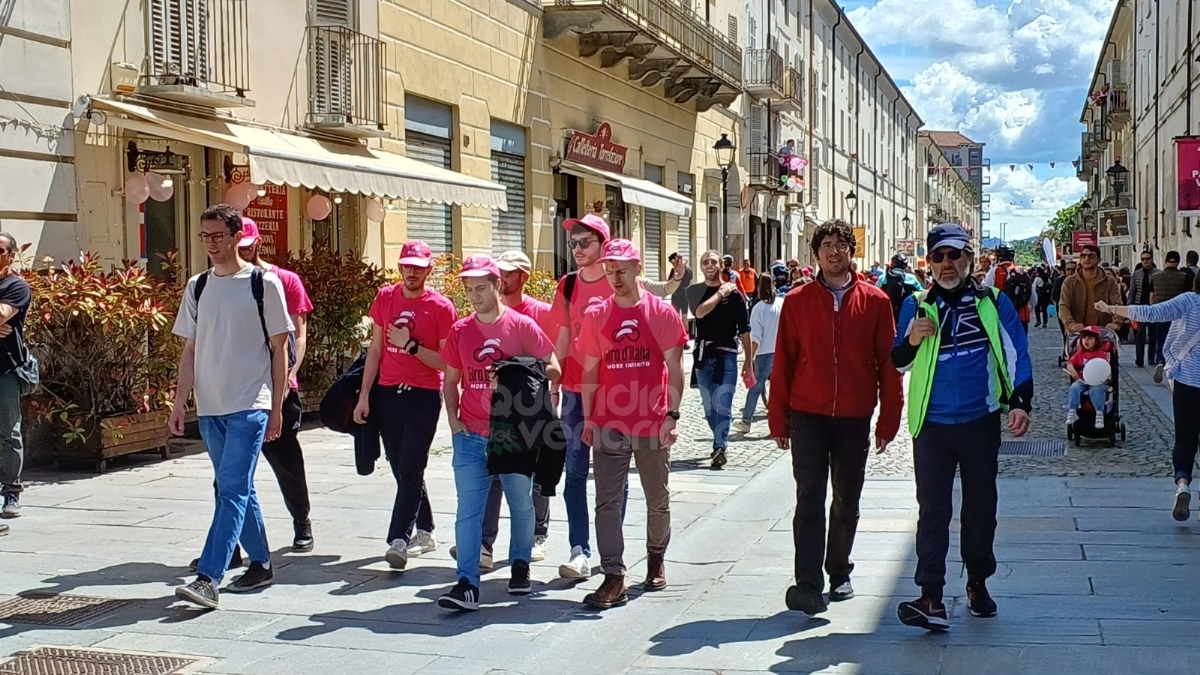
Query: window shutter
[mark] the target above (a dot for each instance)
(508, 227)
(651, 258)
(430, 223)
(758, 128)
(733, 28)
(332, 13)
(179, 39)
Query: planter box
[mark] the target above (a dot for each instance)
(129, 434)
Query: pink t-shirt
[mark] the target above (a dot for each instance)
(429, 319)
(586, 295)
(631, 343)
(472, 346)
(540, 312)
(294, 295)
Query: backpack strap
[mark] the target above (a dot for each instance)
(256, 289)
(569, 291)
(201, 282)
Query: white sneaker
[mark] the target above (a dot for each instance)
(741, 427)
(1072, 417)
(1099, 420)
(422, 542)
(485, 558)
(397, 555)
(579, 567)
(1183, 500)
(538, 553)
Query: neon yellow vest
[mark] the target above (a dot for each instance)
(920, 384)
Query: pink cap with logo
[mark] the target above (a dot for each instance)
(479, 265)
(249, 233)
(416, 253)
(592, 222)
(620, 250)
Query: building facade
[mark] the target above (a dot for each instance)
(947, 196)
(973, 168)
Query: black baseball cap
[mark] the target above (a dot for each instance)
(1172, 257)
(950, 235)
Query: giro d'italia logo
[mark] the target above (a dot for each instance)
(490, 351)
(627, 332)
(406, 319)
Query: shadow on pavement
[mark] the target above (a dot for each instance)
(683, 638)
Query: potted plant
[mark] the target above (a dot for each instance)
(108, 359)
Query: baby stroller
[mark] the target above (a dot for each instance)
(1085, 425)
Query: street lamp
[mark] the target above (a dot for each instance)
(1117, 176)
(724, 149)
(851, 203)
(907, 222)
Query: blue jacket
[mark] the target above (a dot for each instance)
(962, 389)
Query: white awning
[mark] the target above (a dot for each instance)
(637, 191)
(276, 156)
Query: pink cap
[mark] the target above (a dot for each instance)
(479, 266)
(416, 253)
(249, 233)
(592, 222)
(620, 250)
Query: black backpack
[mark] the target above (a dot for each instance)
(897, 290)
(256, 289)
(1018, 287)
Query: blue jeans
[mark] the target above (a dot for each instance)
(716, 395)
(1078, 389)
(578, 464)
(234, 442)
(472, 482)
(762, 372)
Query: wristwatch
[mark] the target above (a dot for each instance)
(673, 414)
(412, 346)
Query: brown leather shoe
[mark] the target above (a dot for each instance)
(610, 594)
(656, 573)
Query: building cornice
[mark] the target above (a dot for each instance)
(1108, 41)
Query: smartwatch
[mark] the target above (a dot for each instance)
(673, 414)
(412, 346)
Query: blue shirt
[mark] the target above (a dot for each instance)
(1183, 311)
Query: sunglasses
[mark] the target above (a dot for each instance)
(940, 256)
(581, 243)
(1088, 255)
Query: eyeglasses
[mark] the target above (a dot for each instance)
(840, 247)
(1088, 254)
(581, 243)
(1147, 259)
(214, 237)
(940, 256)
(709, 262)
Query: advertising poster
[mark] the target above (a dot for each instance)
(1187, 164)
(1114, 227)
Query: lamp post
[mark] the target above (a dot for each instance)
(907, 223)
(851, 204)
(1117, 177)
(724, 149)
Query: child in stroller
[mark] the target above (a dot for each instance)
(1087, 347)
(1102, 401)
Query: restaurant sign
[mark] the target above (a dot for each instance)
(596, 150)
(270, 211)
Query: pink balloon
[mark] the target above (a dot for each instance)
(251, 191)
(137, 190)
(160, 190)
(375, 211)
(235, 196)
(319, 207)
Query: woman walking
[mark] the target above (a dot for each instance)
(1041, 287)
(764, 322)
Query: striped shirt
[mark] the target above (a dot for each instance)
(1183, 311)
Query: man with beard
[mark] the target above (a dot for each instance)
(721, 320)
(1080, 291)
(1140, 288)
(832, 363)
(409, 325)
(968, 354)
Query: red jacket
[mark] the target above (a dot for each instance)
(836, 363)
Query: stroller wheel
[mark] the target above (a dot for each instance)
(1078, 440)
(1070, 432)
(1112, 439)
(1122, 433)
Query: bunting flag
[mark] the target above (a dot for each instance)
(1051, 165)
(1075, 163)
(1030, 166)
(1012, 167)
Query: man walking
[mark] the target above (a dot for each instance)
(1080, 291)
(235, 324)
(1193, 266)
(1069, 269)
(969, 358)
(1140, 288)
(492, 333)
(679, 297)
(14, 303)
(721, 320)
(410, 323)
(1168, 283)
(832, 363)
(632, 346)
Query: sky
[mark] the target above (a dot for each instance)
(1012, 74)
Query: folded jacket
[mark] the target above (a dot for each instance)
(525, 435)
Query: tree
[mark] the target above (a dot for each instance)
(1064, 222)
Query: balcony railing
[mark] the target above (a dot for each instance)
(793, 90)
(762, 73)
(200, 45)
(1116, 106)
(346, 84)
(764, 169)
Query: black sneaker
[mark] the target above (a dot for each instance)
(255, 578)
(303, 543)
(979, 601)
(925, 613)
(718, 458)
(235, 561)
(807, 601)
(462, 598)
(519, 584)
(201, 592)
(12, 506)
(840, 591)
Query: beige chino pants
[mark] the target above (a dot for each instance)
(611, 453)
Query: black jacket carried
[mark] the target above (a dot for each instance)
(337, 413)
(525, 435)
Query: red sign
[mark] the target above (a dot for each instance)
(1187, 172)
(270, 211)
(1081, 238)
(597, 150)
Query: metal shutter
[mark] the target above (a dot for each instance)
(179, 40)
(653, 253)
(508, 227)
(684, 244)
(430, 223)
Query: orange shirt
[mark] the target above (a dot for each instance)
(747, 280)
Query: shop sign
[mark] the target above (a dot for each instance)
(860, 242)
(1187, 168)
(906, 246)
(1081, 238)
(270, 211)
(597, 150)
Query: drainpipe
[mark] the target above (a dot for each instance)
(1191, 52)
(1158, 206)
(857, 135)
(833, 40)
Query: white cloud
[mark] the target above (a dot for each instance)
(1026, 202)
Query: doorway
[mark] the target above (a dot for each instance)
(566, 199)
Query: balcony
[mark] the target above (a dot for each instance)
(1116, 108)
(198, 53)
(346, 92)
(1097, 138)
(763, 170)
(664, 42)
(793, 92)
(762, 73)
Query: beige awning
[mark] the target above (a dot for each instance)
(276, 156)
(637, 191)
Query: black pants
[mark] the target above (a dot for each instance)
(287, 461)
(491, 513)
(1159, 331)
(1043, 314)
(408, 420)
(973, 448)
(1185, 404)
(1144, 336)
(825, 447)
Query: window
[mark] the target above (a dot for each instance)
(428, 137)
(683, 242)
(733, 28)
(332, 13)
(508, 169)
(652, 229)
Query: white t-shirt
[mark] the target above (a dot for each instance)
(764, 324)
(233, 361)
